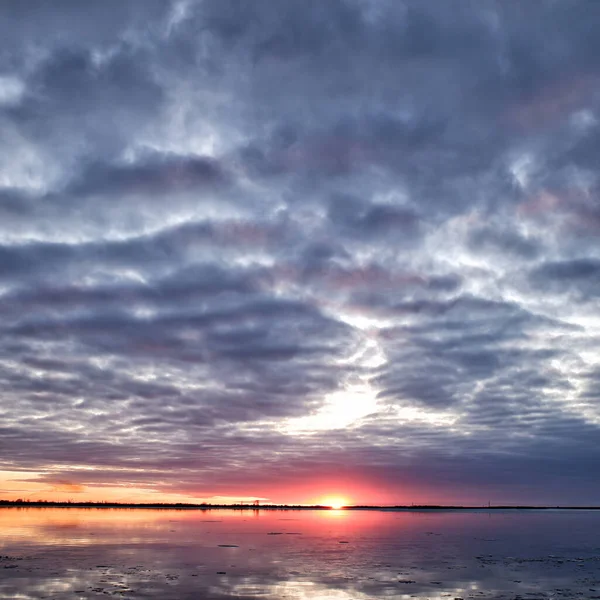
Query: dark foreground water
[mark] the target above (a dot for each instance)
(341, 555)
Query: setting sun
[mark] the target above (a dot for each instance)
(334, 502)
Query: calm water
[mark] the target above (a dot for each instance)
(93, 553)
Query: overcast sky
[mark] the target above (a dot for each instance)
(288, 249)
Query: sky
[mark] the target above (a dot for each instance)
(301, 249)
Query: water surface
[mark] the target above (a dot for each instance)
(182, 554)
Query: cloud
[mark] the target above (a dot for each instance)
(223, 222)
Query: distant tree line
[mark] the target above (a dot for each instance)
(244, 506)
(108, 504)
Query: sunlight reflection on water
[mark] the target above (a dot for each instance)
(337, 555)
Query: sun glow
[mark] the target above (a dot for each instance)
(335, 502)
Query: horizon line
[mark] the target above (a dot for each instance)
(271, 505)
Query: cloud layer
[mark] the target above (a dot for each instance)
(266, 249)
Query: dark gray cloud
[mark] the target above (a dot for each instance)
(250, 247)
(580, 278)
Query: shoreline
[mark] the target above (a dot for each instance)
(253, 507)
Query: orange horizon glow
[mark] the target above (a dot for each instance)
(31, 486)
(335, 502)
(331, 491)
